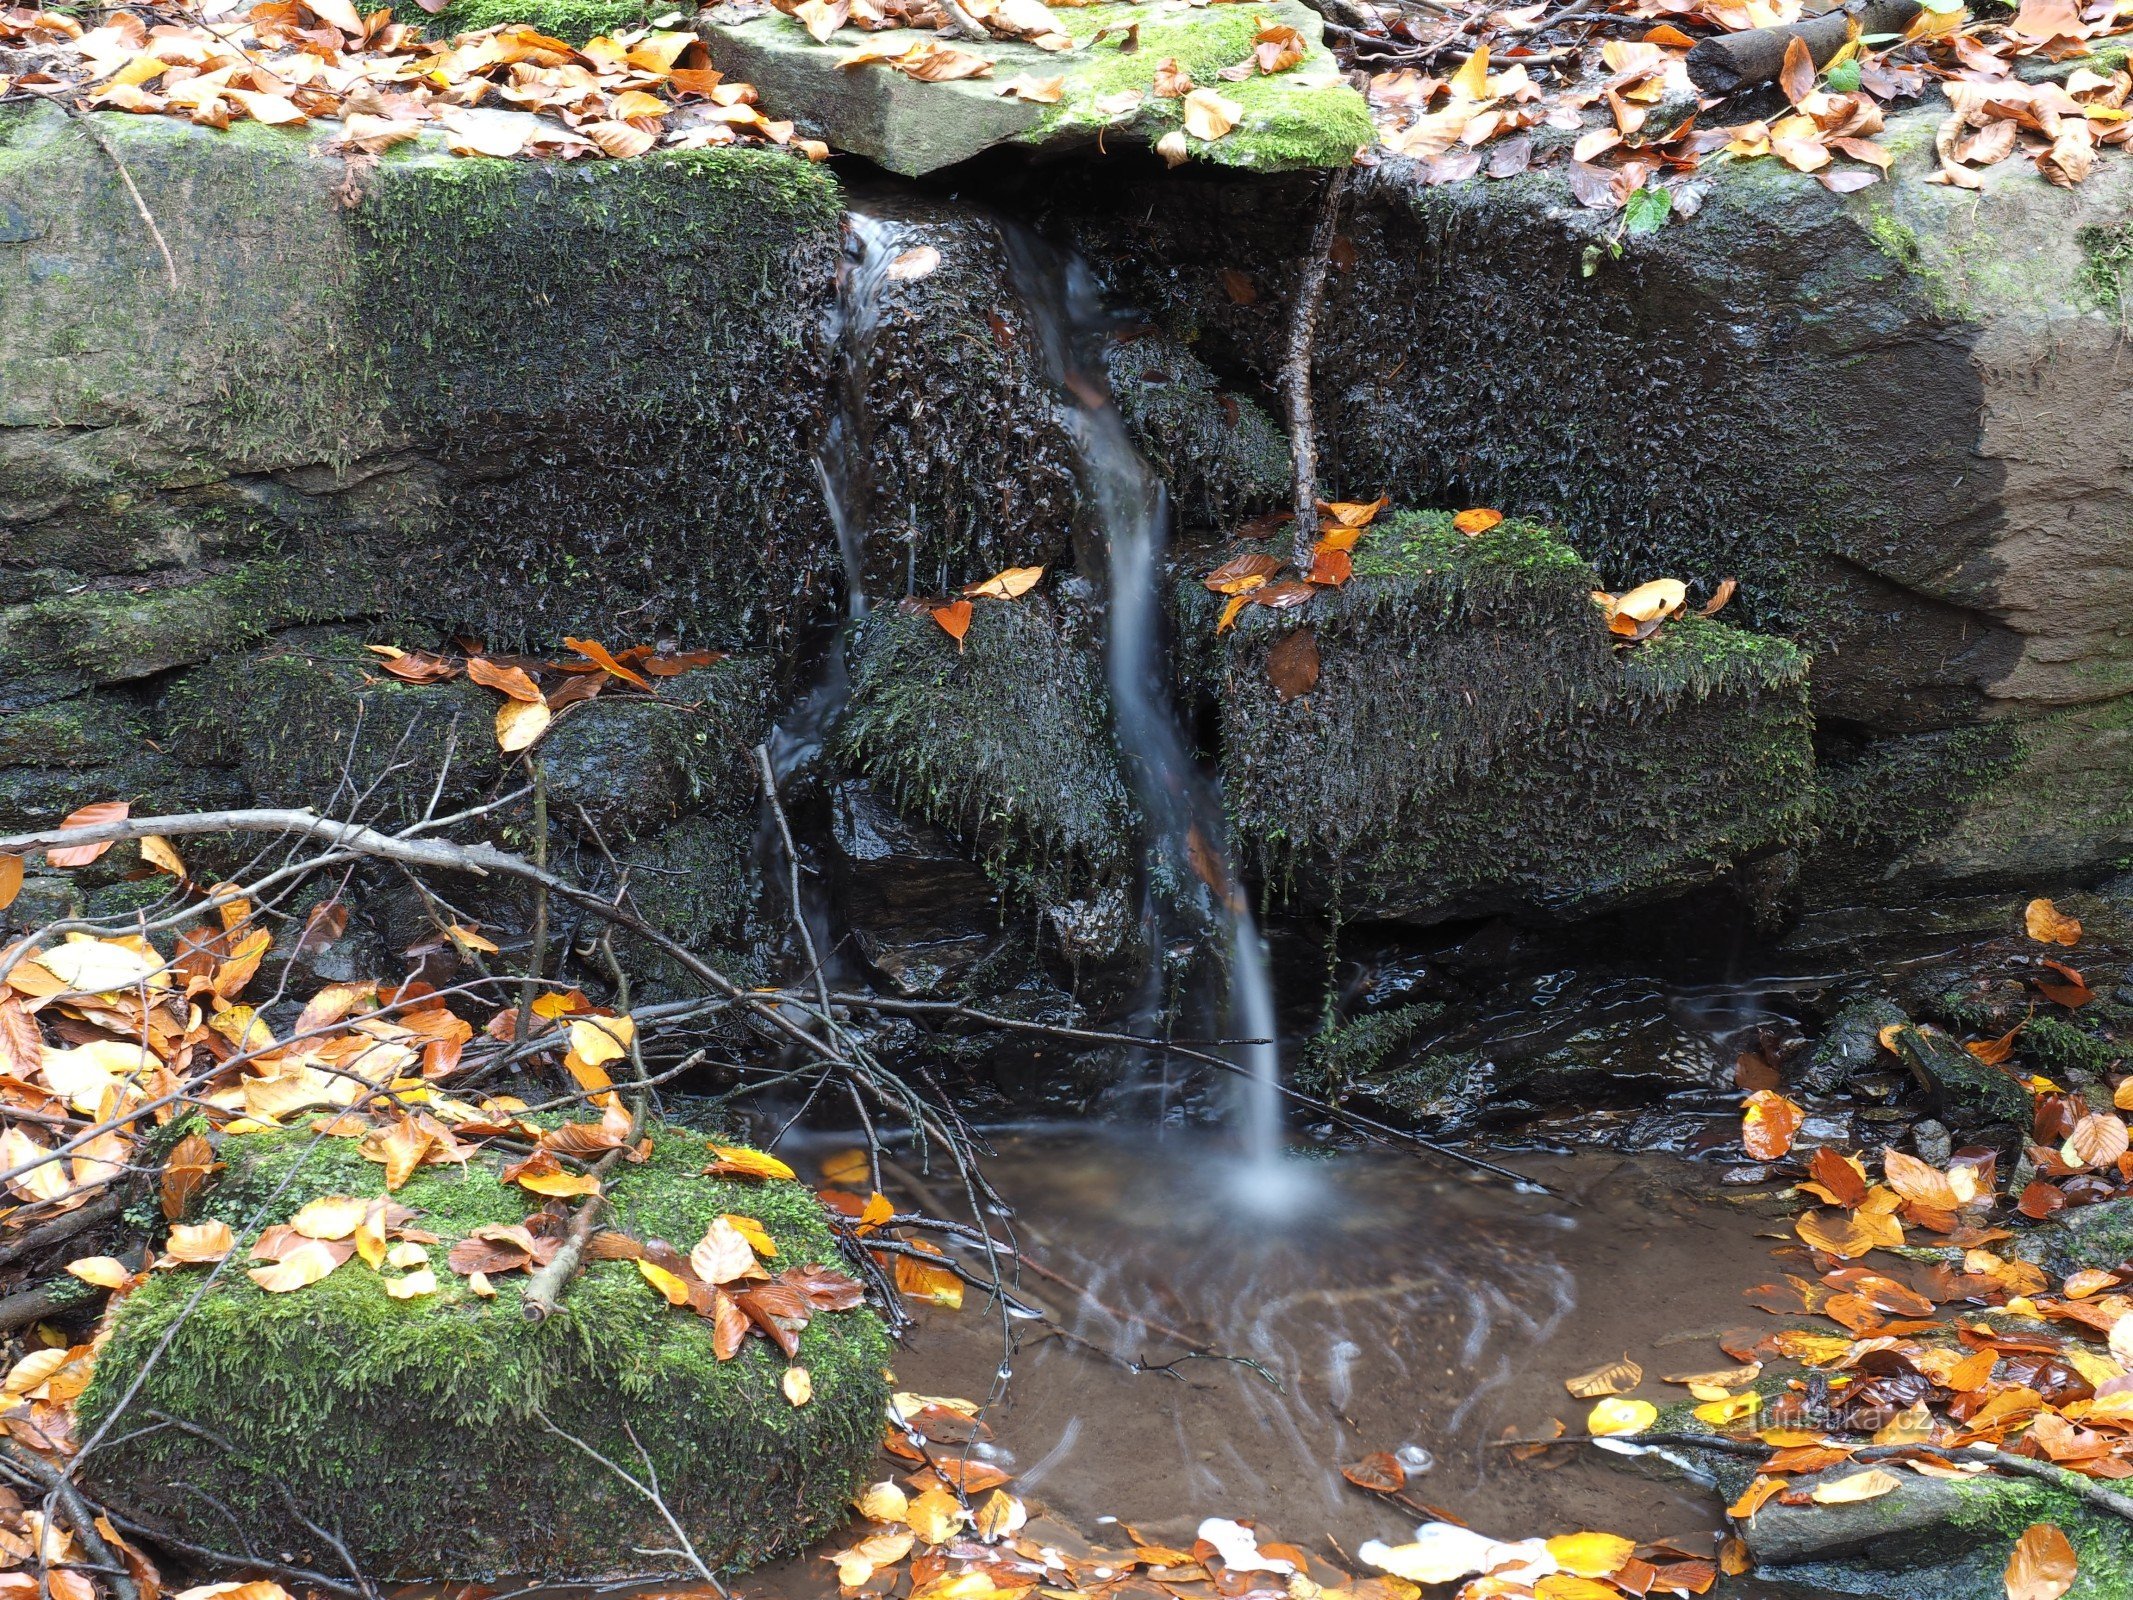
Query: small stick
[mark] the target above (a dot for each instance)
(79, 1518)
(549, 1283)
(1296, 369)
(83, 121)
(1755, 57)
(537, 955)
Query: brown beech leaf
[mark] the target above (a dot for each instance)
(1617, 1377)
(2047, 924)
(414, 666)
(595, 652)
(1292, 665)
(1380, 1472)
(1241, 574)
(1281, 596)
(191, 1161)
(1797, 76)
(1842, 1183)
(2042, 1565)
(511, 681)
(89, 816)
(2073, 993)
(1719, 597)
(10, 880)
(2098, 1140)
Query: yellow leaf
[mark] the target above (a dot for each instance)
(1001, 1515)
(335, 1216)
(923, 1282)
(519, 723)
(934, 1516)
(877, 1550)
(676, 1291)
(10, 880)
(275, 110)
(399, 1147)
(103, 1272)
(307, 1264)
(740, 1161)
(1476, 522)
(559, 1185)
(195, 1243)
(1617, 1377)
(599, 1040)
(1209, 115)
(413, 1286)
(370, 1236)
(1751, 1498)
(1612, 1417)
(882, 1502)
(1868, 1485)
(478, 1284)
(100, 966)
(799, 1387)
(1731, 1409)
(1471, 81)
(1591, 1555)
(754, 1232)
(1008, 585)
(158, 852)
(1649, 601)
(1237, 602)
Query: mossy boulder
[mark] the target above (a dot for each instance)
(1218, 453)
(515, 398)
(415, 1428)
(1306, 117)
(1004, 741)
(1474, 742)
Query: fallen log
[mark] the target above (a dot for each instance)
(1749, 60)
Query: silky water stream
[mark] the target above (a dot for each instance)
(1228, 1321)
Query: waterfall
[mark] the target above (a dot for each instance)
(1192, 877)
(845, 462)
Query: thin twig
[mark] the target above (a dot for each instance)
(549, 1283)
(1296, 369)
(648, 1486)
(87, 125)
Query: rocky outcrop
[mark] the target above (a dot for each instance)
(1896, 417)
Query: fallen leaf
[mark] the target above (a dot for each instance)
(511, 681)
(89, 816)
(101, 1272)
(1868, 1485)
(2098, 1140)
(1617, 1377)
(954, 619)
(738, 1161)
(2047, 924)
(1292, 664)
(158, 852)
(1208, 115)
(922, 1282)
(1615, 1416)
(1770, 1124)
(1008, 585)
(10, 880)
(1477, 521)
(920, 261)
(520, 724)
(1380, 1473)
(798, 1385)
(308, 1263)
(2042, 1565)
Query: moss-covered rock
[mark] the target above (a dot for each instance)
(1473, 743)
(1218, 453)
(415, 1429)
(1305, 117)
(522, 399)
(1006, 742)
(573, 21)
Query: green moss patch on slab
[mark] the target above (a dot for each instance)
(572, 21)
(1302, 118)
(413, 1427)
(1475, 743)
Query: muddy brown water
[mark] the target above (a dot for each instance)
(1380, 1301)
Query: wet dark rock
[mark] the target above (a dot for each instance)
(1966, 1094)
(1005, 743)
(919, 909)
(1221, 456)
(1852, 1043)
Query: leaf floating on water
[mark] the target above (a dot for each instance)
(923, 1282)
(920, 261)
(1292, 665)
(1591, 1555)
(1380, 1472)
(1617, 1377)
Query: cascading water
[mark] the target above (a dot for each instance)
(845, 466)
(1191, 875)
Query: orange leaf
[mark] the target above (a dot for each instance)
(1354, 513)
(80, 855)
(954, 618)
(1242, 573)
(2042, 1565)
(1011, 584)
(595, 652)
(1797, 76)
(1770, 1124)
(1331, 568)
(1476, 521)
(10, 880)
(2047, 924)
(1237, 602)
(1380, 1473)
(511, 681)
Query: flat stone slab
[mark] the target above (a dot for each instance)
(1304, 117)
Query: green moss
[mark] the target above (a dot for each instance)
(1343, 1055)
(113, 635)
(2003, 1513)
(2106, 261)
(1475, 743)
(573, 21)
(413, 1427)
(1305, 117)
(1005, 742)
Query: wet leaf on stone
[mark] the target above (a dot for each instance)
(2047, 924)
(954, 619)
(2042, 1565)
(1770, 1124)
(1292, 664)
